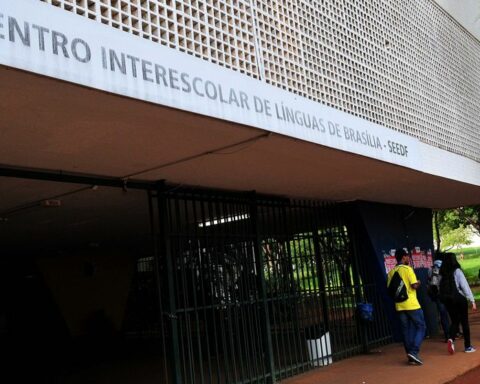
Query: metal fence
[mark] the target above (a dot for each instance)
(245, 288)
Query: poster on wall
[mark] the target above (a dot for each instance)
(389, 260)
(421, 258)
(418, 257)
(429, 259)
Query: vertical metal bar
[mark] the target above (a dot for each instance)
(356, 279)
(158, 279)
(173, 222)
(321, 274)
(165, 247)
(297, 237)
(252, 295)
(197, 253)
(288, 210)
(229, 309)
(242, 307)
(194, 266)
(318, 292)
(308, 276)
(268, 216)
(282, 285)
(224, 317)
(267, 332)
(206, 209)
(307, 292)
(183, 293)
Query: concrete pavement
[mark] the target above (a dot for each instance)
(388, 365)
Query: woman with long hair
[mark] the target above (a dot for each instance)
(456, 294)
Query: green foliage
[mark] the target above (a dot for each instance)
(469, 253)
(456, 237)
(450, 219)
(471, 216)
(456, 226)
(291, 264)
(476, 292)
(470, 263)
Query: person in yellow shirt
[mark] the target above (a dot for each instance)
(409, 311)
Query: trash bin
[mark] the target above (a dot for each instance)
(319, 346)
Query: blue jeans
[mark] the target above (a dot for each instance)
(444, 318)
(413, 329)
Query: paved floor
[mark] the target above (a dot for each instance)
(471, 377)
(388, 365)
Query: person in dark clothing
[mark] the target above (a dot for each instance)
(456, 303)
(434, 279)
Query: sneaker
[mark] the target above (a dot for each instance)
(414, 359)
(411, 361)
(450, 347)
(470, 350)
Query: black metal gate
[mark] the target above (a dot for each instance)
(250, 289)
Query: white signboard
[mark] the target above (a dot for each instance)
(37, 37)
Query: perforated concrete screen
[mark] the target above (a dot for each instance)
(406, 65)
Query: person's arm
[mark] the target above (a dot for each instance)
(412, 279)
(464, 287)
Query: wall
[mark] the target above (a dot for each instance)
(88, 284)
(393, 226)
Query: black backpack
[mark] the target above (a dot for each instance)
(397, 289)
(448, 289)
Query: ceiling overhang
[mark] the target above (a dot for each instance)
(53, 125)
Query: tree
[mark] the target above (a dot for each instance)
(456, 237)
(453, 226)
(468, 216)
(436, 229)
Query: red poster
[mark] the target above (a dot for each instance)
(429, 259)
(417, 257)
(389, 260)
(421, 259)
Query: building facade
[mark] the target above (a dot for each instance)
(208, 191)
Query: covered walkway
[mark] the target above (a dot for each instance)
(388, 365)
